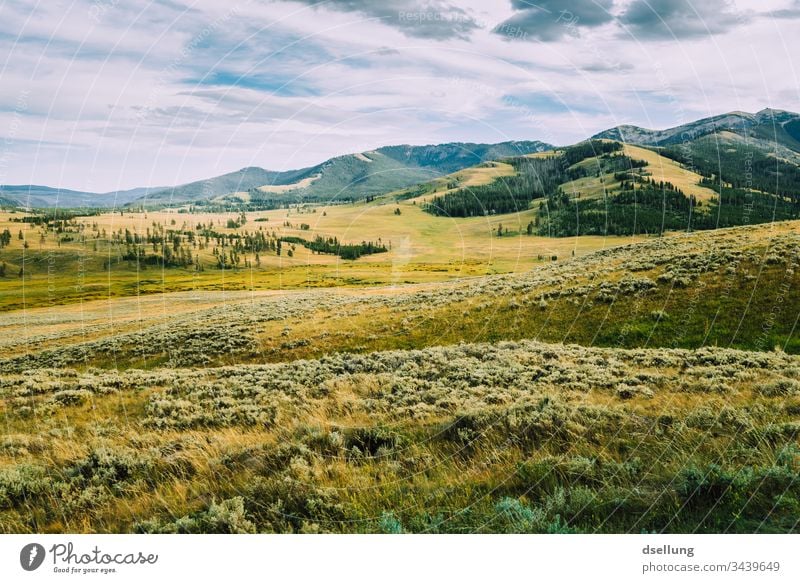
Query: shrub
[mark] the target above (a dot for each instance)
(72, 397)
(706, 487)
(226, 517)
(388, 524)
(512, 516)
(780, 388)
(19, 484)
(625, 392)
(284, 504)
(110, 468)
(372, 441)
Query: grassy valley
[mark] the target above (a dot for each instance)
(174, 421)
(598, 338)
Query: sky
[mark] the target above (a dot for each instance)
(104, 95)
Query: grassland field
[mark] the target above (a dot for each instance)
(658, 169)
(422, 408)
(471, 378)
(423, 248)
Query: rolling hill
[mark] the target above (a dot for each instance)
(34, 196)
(343, 177)
(632, 389)
(650, 383)
(773, 126)
(735, 151)
(353, 175)
(605, 186)
(240, 180)
(761, 148)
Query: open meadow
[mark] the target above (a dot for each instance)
(349, 269)
(86, 260)
(553, 343)
(498, 383)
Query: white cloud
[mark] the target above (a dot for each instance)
(130, 94)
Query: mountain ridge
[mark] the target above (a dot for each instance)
(785, 127)
(358, 174)
(771, 133)
(35, 195)
(398, 166)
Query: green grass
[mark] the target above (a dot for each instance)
(280, 410)
(423, 249)
(475, 438)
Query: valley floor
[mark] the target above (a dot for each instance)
(647, 387)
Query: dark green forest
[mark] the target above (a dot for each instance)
(535, 178)
(741, 167)
(651, 209)
(634, 204)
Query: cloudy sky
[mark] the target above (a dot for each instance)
(109, 94)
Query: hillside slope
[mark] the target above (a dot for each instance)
(757, 150)
(768, 125)
(350, 176)
(346, 177)
(689, 290)
(240, 180)
(606, 187)
(430, 410)
(34, 196)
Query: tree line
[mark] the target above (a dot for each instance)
(534, 178)
(332, 246)
(654, 208)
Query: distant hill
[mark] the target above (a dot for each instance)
(8, 202)
(768, 130)
(734, 150)
(343, 177)
(240, 180)
(759, 151)
(448, 158)
(33, 196)
(606, 187)
(346, 177)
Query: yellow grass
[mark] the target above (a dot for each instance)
(278, 188)
(664, 169)
(659, 169)
(422, 249)
(474, 176)
(547, 154)
(590, 186)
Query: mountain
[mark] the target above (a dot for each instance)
(345, 177)
(606, 187)
(240, 180)
(758, 151)
(353, 175)
(33, 196)
(448, 158)
(769, 130)
(8, 202)
(738, 149)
